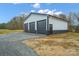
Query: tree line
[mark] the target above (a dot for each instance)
(17, 22)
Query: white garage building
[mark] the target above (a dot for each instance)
(45, 24)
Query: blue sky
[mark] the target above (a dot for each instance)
(7, 11)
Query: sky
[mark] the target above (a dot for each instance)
(9, 10)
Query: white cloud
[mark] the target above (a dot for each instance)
(36, 5)
(54, 10)
(59, 12)
(32, 10)
(50, 12)
(46, 10)
(41, 11)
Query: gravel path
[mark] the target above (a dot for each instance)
(10, 44)
(15, 49)
(18, 36)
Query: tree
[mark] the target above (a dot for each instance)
(73, 22)
(77, 27)
(3, 26)
(17, 22)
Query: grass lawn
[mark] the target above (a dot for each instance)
(6, 31)
(58, 44)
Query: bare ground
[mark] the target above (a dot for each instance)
(66, 44)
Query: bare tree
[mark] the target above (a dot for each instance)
(73, 22)
(69, 22)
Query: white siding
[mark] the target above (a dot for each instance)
(58, 24)
(35, 18)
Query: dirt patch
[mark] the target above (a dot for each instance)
(59, 44)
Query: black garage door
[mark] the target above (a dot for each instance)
(32, 27)
(26, 27)
(41, 26)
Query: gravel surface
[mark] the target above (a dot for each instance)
(15, 49)
(18, 36)
(10, 44)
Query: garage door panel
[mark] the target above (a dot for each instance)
(32, 27)
(41, 26)
(26, 27)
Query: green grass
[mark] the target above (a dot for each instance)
(6, 31)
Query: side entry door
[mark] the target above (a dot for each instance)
(50, 28)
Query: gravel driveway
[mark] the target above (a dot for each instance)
(18, 36)
(10, 44)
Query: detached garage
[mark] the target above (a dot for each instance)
(45, 24)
